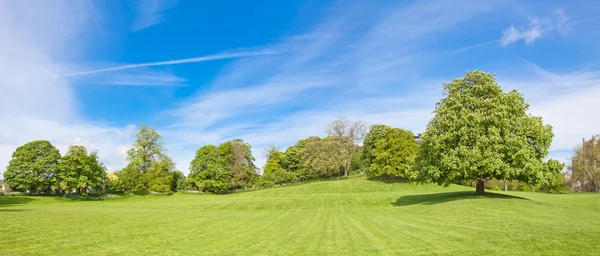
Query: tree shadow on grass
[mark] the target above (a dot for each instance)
(14, 210)
(14, 200)
(437, 198)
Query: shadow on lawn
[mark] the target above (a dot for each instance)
(438, 198)
(13, 200)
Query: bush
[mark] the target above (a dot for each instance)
(214, 186)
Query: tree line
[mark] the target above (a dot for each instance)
(479, 135)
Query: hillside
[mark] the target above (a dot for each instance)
(353, 216)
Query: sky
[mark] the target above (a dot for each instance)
(86, 72)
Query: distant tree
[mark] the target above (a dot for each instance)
(480, 132)
(274, 160)
(80, 170)
(358, 165)
(293, 157)
(393, 154)
(273, 172)
(236, 155)
(323, 158)
(114, 184)
(148, 150)
(159, 176)
(376, 132)
(33, 167)
(220, 169)
(349, 135)
(178, 181)
(585, 165)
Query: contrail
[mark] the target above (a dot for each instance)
(219, 56)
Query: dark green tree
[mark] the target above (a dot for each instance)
(33, 167)
(80, 171)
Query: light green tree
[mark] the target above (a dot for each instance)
(393, 154)
(480, 132)
(148, 150)
(33, 167)
(376, 133)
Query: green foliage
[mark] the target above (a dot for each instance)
(116, 185)
(159, 177)
(322, 158)
(179, 182)
(33, 167)
(393, 154)
(556, 185)
(78, 171)
(226, 167)
(149, 168)
(273, 172)
(293, 157)
(358, 165)
(376, 133)
(480, 132)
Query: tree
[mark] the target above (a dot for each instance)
(33, 166)
(220, 169)
(293, 157)
(348, 135)
(393, 154)
(323, 158)
(159, 176)
(79, 171)
(273, 171)
(236, 155)
(480, 132)
(376, 133)
(585, 165)
(148, 150)
(179, 182)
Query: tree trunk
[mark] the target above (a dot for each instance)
(479, 189)
(505, 185)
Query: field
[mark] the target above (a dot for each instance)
(345, 217)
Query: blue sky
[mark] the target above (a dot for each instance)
(272, 72)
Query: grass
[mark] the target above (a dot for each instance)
(344, 217)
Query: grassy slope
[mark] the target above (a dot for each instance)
(352, 216)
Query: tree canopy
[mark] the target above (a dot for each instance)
(480, 132)
(149, 166)
(393, 154)
(78, 170)
(223, 168)
(33, 166)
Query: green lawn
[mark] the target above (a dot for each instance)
(345, 217)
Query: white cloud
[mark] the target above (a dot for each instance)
(151, 12)
(536, 28)
(36, 102)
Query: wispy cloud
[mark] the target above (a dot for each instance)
(98, 18)
(538, 28)
(220, 56)
(151, 12)
(141, 76)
